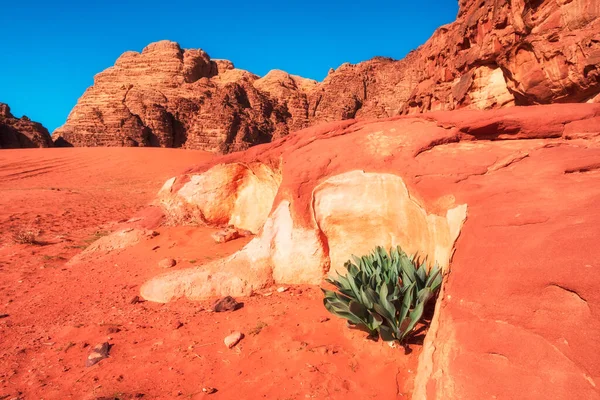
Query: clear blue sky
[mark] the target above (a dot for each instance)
(51, 50)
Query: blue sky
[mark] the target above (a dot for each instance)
(52, 49)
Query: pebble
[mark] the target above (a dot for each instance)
(282, 289)
(226, 304)
(233, 339)
(113, 329)
(177, 324)
(209, 390)
(99, 353)
(167, 263)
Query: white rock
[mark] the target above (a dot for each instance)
(233, 339)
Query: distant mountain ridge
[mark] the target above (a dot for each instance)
(498, 53)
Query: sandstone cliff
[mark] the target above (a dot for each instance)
(21, 132)
(498, 53)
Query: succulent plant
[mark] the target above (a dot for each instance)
(383, 293)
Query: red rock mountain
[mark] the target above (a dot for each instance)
(498, 53)
(21, 132)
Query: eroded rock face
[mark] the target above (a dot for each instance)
(497, 54)
(379, 208)
(170, 97)
(521, 286)
(236, 194)
(21, 132)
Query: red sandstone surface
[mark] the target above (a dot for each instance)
(54, 311)
(497, 54)
(519, 313)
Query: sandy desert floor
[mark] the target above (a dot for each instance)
(53, 313)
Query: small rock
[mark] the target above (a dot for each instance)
(113, 329)
(268, 294)
(177, 324)
(226, 304)
(323, 319)
(99, 353)
(135, 300)
(209, 390)
(229, 233)
(156, 247)
(4, 316)
(225, 235)
(233, 339)
(282, 289)
(167, 263)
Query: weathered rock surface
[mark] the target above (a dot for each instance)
(16, 133)
(521, 270)
(498, 53)
(169, 97)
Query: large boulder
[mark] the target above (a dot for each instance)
(506, 201)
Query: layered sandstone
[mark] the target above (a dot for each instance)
(497, 54)
(169, 97)
(21, 132)
(505, 200)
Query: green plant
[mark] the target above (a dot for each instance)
(383, 293)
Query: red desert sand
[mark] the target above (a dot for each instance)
(55, 313)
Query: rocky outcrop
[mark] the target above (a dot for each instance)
(169, 97)
(498, 53)
(521, 275)
(21, 132)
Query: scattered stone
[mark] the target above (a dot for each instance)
(99, 353)
(267, 294)
(282, 289)
(209, 390)
(4, 316)
(177, 325)
(225, 235)
(323, 319)
(226, 304)
(233, 339)
(135, 300)
(167, 263)
(156, 248)
(113, 329)
(229, 234)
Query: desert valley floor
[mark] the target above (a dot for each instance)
(53, 312)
